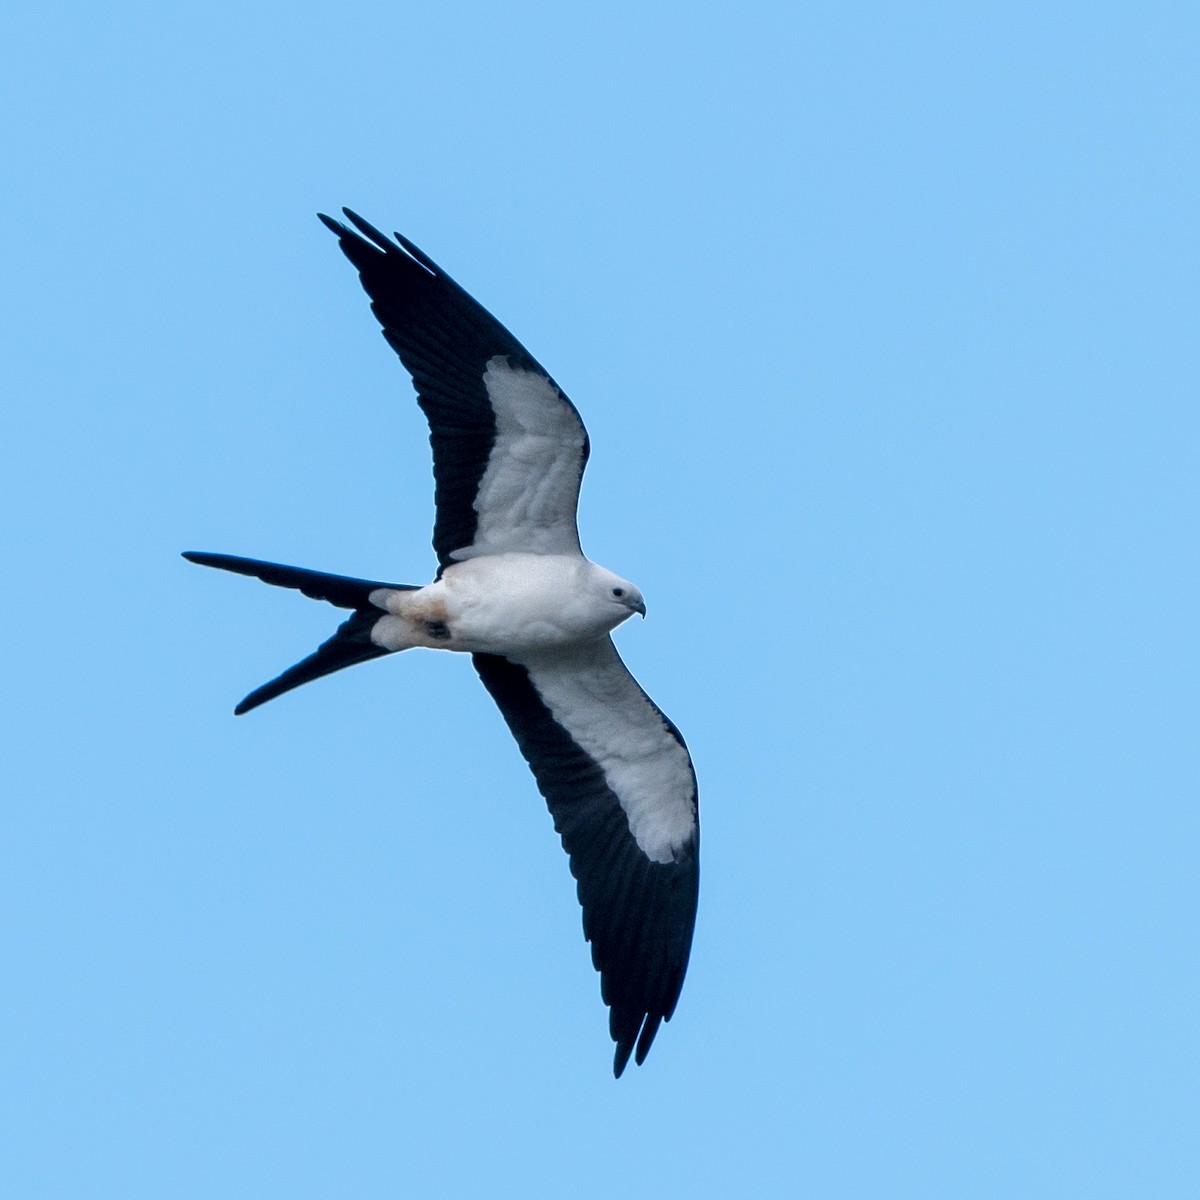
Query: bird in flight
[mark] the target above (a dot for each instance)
(514, 590)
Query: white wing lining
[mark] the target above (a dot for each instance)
(528, 494)
(591, 694)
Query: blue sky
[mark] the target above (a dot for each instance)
(883, 322)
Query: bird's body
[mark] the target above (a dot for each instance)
(507, 603)
(515, 591)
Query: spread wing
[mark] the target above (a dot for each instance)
(620, 786)
(508, 446)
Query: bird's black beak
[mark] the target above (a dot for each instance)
(640, 607)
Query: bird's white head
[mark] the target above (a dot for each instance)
(623, 597)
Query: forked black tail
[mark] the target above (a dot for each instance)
(349, 645)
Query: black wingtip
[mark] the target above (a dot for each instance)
(203, 558)
(419, 255)
(621, 1059)
(260, 695)
(635, 1045)
(335, 227)
(370, 232)
(649, 1029)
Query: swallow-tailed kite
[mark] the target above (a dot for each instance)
(514, 591)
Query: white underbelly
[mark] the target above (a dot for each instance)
(498, 604)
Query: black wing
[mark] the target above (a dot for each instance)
(621, 789)
(508, 446)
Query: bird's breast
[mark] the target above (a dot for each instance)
(507, 602)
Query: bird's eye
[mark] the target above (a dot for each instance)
(618, 592)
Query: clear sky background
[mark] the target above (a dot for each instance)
(883, 320)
